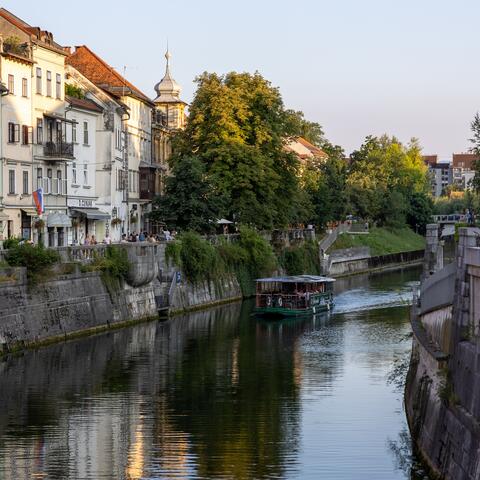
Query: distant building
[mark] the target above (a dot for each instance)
(307, 153)
(463, 171)
(440, 174)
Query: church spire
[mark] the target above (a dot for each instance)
(168, 90)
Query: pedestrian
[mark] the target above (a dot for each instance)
(107, 240)
(141, 237)
(93, 240)
(124, 238)
(88, 240)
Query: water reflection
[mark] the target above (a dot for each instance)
(215, 394)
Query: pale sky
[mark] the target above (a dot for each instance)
(358, 67)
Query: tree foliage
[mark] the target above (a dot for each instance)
(383, 176)
(475, 127)
(231, 162)
(237, 129)
(189, 202)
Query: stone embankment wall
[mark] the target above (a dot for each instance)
(187, 296)
(358, 260)
(67, 305)
(442, 395)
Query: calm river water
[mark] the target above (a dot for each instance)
(220, 394)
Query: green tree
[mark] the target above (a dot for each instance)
(475, 127)
(420, 211)
(188, 202)
(238, 127)
(300, 127)
(383, 176)
(329, 196)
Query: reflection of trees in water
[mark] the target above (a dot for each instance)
(235, 392)
(405, 459)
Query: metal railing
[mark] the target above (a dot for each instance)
(58, 149)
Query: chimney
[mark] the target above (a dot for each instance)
(67, 50)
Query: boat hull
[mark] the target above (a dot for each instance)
(290, 312)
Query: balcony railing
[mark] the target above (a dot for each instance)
(61, 149)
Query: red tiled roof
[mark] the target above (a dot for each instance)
(464, 160)
(430, 159)
(318, 152)
(101, 74)
(84, 103)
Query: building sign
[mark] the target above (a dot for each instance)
(81, 202)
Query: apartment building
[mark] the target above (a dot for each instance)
(37, 131)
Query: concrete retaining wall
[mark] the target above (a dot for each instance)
(351, 264)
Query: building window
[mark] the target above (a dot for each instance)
(39, 131)
(49, 83)
(39, 177)
(11, 84)
(74, 173)
(85, 174)
(13, 132)
(25, 135)
(58, 86)
(11, 182)
(25, 183)
(59, 181)
(49, 180)
(39, 80)
(85, 133)
(74, 131)
(24, 87)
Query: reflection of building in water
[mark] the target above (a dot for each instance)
(207, 394)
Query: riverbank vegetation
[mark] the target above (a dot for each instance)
(248, 258)
(382, 241)
(37, 259)
(231, 162)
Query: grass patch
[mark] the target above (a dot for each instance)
(382, 241)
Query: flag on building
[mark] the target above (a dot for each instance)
(38, 199)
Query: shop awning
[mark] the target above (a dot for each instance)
(57, 219)
(91, 213)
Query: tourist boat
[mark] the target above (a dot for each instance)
(294, 295)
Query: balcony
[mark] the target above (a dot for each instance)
(58, 149)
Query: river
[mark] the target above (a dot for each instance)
(220, 394)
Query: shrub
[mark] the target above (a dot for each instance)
(36, 258)
(115, 263)
(250, 257)
(198, 258)
(11, 242)
(260, 257)
(303, 259)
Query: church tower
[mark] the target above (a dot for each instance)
(170, 108)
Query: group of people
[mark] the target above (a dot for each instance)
(149, 237)
(134, 237)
